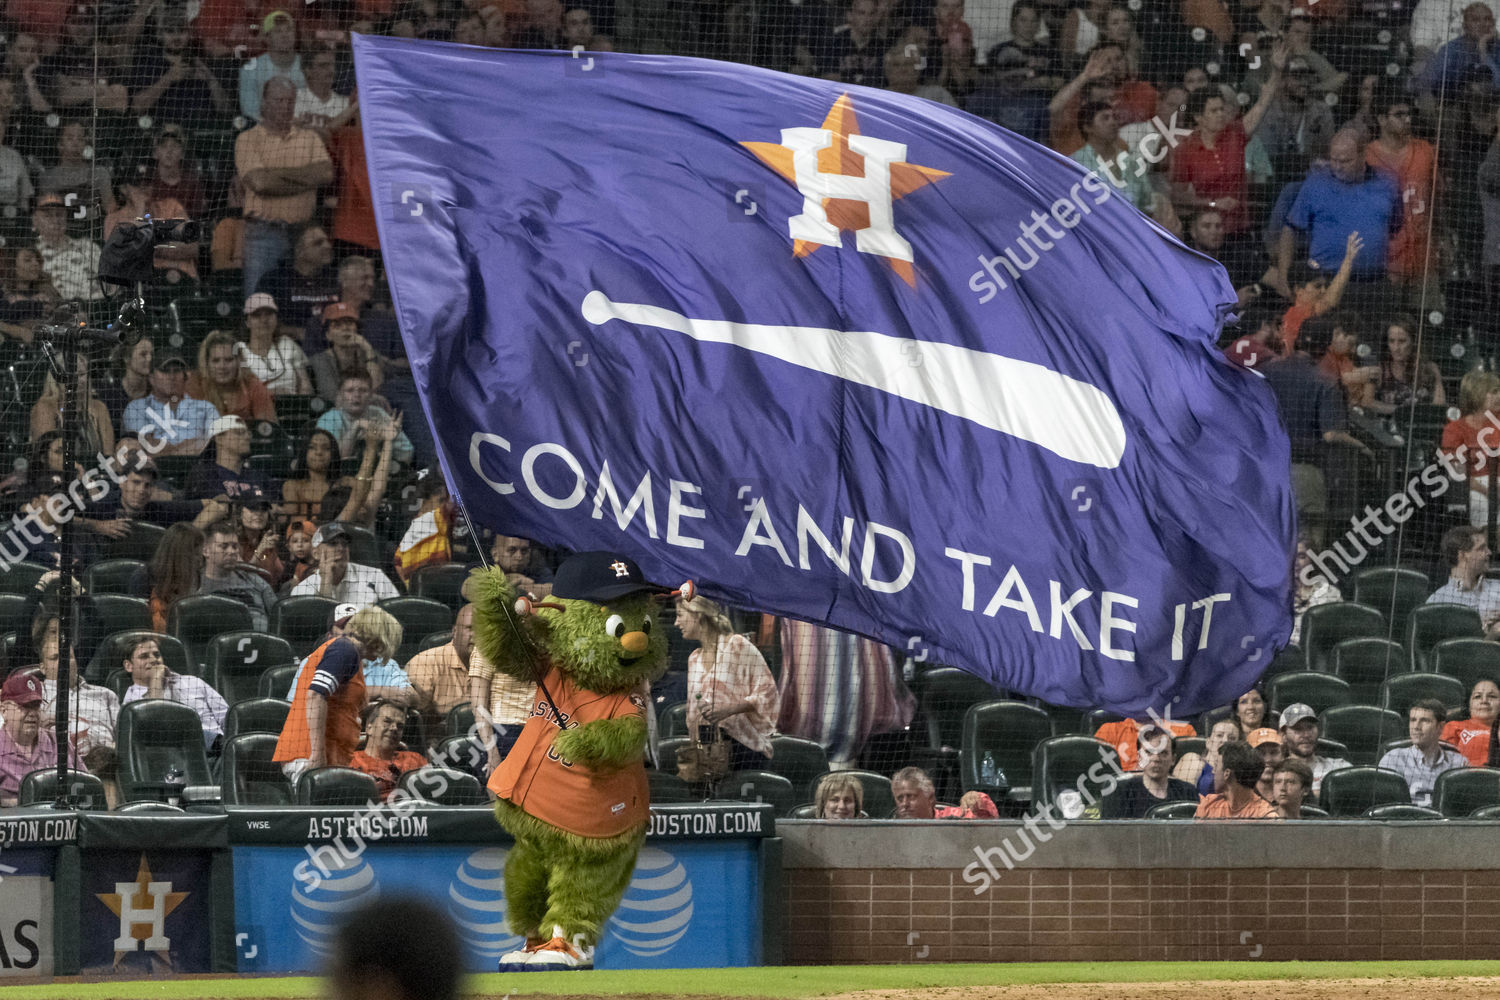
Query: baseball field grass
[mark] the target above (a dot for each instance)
(1334, 980)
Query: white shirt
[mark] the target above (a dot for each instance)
(195, 693)
(91, 716)
(322, 111)
(362, 586)
(278, 370)
(73, 267)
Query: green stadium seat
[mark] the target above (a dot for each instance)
(443, 786)
(140, 543)
(13, 613)
(672, 721)
(236, 661)
(1463, 790)
(335, 786)
(459, 721)
(120, 613)
(152, 737)
(110, 656)
(302, 621)
(463, 753)
(666, 787)
(112, 576)
(758, 786)
(1320, 691)
(1313, 812)
(1009, 731)
(1467, 659)
(199, 619)
(441, 583)
(946, 694)
(1290, 660)
(1350, 791)
(1401, 813)
(276, 682)
(1485, 812)
(1058, 764)
(84, 790)
(799, 761)
(1393, 592)
(1398, 693)
(1429, 624)
(22, 578)
(1326, 625)
(256, 715)
(434, 640)
(1094, 719)
(1366, 663)
(1173, 810)
(806, 811)
(418, 617)
(249, 777)
(1362, 729)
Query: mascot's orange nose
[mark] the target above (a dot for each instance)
(635, 642)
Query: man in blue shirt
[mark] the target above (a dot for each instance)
(168, 422)
(355, 416)
(1477, 46)
(1347, 197)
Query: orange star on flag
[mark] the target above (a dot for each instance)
(849, 182)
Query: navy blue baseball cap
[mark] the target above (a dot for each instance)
(599, 577)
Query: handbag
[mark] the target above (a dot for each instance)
(704, 762)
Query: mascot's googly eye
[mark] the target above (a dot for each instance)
(615, 626)
(646, 626)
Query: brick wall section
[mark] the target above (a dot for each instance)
(881, 915)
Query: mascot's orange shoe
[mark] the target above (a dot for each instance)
(560, 954)
(516, 961)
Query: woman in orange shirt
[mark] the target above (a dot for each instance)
(176, 570)
(1479, 402)
(222, 381)
(1472, 735)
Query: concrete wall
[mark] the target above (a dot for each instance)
(882, 891)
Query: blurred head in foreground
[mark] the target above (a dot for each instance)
(398, 948)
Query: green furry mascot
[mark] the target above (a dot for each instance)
(573, 790)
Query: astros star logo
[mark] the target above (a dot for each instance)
(142, 907)
(849, 182)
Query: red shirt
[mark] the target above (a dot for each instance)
(1472, 739)
(1218, 172)
(1476, 460)
(1415, 172)
(387, 772)
(354, 217)
(1291, 325)
(1135, 101)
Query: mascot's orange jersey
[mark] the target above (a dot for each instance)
(563, 793)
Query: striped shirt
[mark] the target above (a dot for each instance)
(363, 585)
(1421, 776)
(91, 714)
(195, 693)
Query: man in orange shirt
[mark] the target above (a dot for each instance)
(1239, 800)
(1125, 738)
(1413, 163)
(1106, 76)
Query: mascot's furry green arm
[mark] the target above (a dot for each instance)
(572, 791)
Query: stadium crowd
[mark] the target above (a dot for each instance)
(259, 439)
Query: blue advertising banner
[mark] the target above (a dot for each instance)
(835, 353)
(26, 911)
(689, 904)
(146, 912)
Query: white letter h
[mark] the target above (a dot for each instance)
(874, 189)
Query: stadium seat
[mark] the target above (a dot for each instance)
(1092, 720)
(235, 660)
(1313, 812)
(255, 715)
(1366, 663)
(795, 759)
(1320, 691)
(435, 640)
(1326, 625)
(85, 791)
(302, 621)
(418, 617)
(1401, 813)
(758, 786)
(110, 655)
(459, 721)
(1350, 791)
(1060, 762)
(335, 786)
(1184, 745)
(1461, 791)
(13, 613)
(152, 737)
(277, 682)
(672, 721)
(1173, 810)
(1466, 659)
(1332, 749)
(149, 806)
(947, 693)
(296, 413)
(249, 777)
(22, 578)
(1484, 812)
(198, 619)
(879, 800)
(1398, 693)
(414, 732)
(140, 543)
(121, 613)
(1393, 592)
(463, 753)
(1009, 731)
(1430, 624)
(119, 681)
(1291, 660)
(112, 576)
(1362, 729)
(667, 787)
(364, 548)
(443, 786)
(806, 811)
(441, 583)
